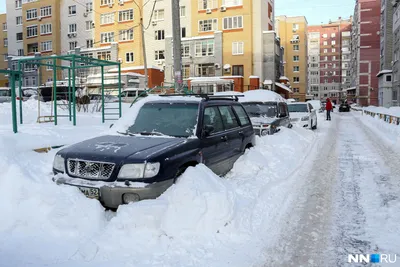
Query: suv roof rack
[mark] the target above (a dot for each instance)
(208, 97)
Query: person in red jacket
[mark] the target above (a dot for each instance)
(329, 108)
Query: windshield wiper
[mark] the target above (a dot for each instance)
(152, 133)
(126, 133)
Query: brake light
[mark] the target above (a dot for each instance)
(18, 98)
(266, 125)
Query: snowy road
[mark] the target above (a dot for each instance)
(349, 203)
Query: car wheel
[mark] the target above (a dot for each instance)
(290, 126)
(180, 171)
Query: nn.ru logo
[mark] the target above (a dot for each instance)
(372, 258)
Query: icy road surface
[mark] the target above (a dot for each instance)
(350, 201)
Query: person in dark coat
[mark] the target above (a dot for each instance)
(328, 108)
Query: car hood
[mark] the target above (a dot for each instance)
(111, 148)
(261, 120)
(298, 115)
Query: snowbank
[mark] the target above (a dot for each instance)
(203, 220)
(392, 111)
(261, 95)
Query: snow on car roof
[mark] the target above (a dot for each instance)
(297, 103)
(261, 95)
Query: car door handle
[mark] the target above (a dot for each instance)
(224, 138)
(241, 133)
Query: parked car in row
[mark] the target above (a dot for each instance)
(131, 94)
(268, 111)
(317, 105)
(27, 93)
(344, 107)
(303, 114)
(167, 135)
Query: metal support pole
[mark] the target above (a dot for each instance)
(69, 95)
(146, 77)
(73, 92)
(14, 102)
(55, 90)
(119, 90)
(102, 95)
(176, 37)
(20, 94)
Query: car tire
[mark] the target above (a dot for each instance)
(180, 171)
(290, 126)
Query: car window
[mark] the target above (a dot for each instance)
(5, 93)
(131, 93)
(243, 118)
(212, 117)
(282, 109)
(228, 117)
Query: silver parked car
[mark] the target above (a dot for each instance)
(5, 95)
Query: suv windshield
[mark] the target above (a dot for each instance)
(298, 108)
(172, 119)
(260, 109)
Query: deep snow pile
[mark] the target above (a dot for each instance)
(204, 220)
(392, 111)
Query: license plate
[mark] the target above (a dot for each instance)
(90, 192)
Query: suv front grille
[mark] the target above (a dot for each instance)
(90, 169)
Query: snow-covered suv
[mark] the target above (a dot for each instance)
(153, 145)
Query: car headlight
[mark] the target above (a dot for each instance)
(58, 163)
(306, 118)
(139, 171)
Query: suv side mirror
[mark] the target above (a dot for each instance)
(207, 130)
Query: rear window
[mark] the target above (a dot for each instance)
(260, 109)
(243, 118)
(5, 93)
(298, 108)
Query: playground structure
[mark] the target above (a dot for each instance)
(76, 62)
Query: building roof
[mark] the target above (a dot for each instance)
(383, 72)
(284, 87)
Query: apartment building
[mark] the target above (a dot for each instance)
(386, 54)
(3, 49)
(365, 55)
(396, 53)
(313, 62)
(293, 34)
(346, 56)
(331, 64)
(226, 40)
(15, 28)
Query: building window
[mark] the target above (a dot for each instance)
(72, 28)
(233, 23)
(296, 68)
(89, 43)
(72, 10)
(333, 42)
(31, 31)
(296, 90)
(126, 35)
(5, 42)
(295, 27)
(20, 52)
(73, 45)
(125, 15)
(45, 11)
(325, 51)
(207, 4)
(204, 48)
(5, 26)
(129, 57)
(326, 58)
(325, 35)
(296, 58)
(159, 55)
(333, 35)
(89, 7)
(394, 95)
(18, 4)
(229, 3)
(160, 35)
(183, 32)
(158, 14)
(33, 48)
(325, 42)
(45, 29)
(205, 70)
(388, 78)
(183, 11)
(333, 57)
(89, 25)
(107, 37)
(237, 48)
(185, 50)
(333, 50)
(238, 70)
(296, 47)
(296, 79)
(185, 71)
(19, 20)
(208, 25)
(31, 14)
(19, 36)
(106, 2)
(46, 46)
(104, 55)
(107, 18)
(49, 65)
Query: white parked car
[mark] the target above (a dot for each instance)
(303, 114)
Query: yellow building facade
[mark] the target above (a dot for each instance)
(3, 49)
(293, 35)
